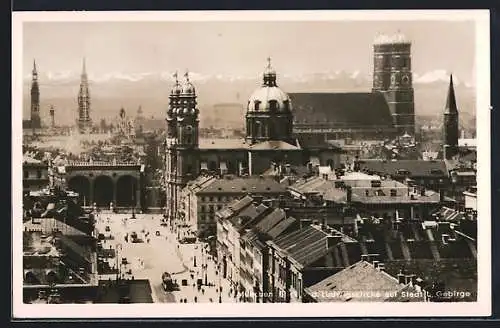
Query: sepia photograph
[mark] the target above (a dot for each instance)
(326, 163)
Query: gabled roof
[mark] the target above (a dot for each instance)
(270, 220)
(360, 282)
(304, 246)
(342, 110)
(278, 229)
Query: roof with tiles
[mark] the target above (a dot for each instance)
(239, 185)
(360, 282)
(222, 143)
(270, 220)
(250, 214)
(305, 246)
(415, 168)
(342, 110)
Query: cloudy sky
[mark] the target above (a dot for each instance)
(241, 48)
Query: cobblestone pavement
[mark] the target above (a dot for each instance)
(163, 253)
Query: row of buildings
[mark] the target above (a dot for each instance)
(351, 234)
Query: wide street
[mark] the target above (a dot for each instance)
(161, 253)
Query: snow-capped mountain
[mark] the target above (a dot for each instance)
(113, 90)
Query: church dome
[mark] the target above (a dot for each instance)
(269, 97)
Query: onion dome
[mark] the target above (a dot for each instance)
(187, 87)
(269, 97)
(177, 89)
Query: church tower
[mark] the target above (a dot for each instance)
(269, 111)
(181, 160)
(392, 76)
(450, 124)
(84, 121)
(35, 99)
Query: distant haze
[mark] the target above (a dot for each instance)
(131, 63)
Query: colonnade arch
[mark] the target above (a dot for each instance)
(81, 185)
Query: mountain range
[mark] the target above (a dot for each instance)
(150, 90)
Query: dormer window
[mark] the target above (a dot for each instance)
(273, 105)
(257, 105)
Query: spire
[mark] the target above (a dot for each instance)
(451, 103)
(269, 74)
(35, 73)
(186, 75)
(84, 68)
(176, 77)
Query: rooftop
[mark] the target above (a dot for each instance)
(239, 185)
(341, 110)
(222, 143)
(412, 168)
(360, 282)
(307, 245)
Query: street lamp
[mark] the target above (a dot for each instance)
(118, 264)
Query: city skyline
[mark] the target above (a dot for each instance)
(120, 48)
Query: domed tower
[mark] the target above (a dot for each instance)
(392, 76)
(181, 156)
(269, 111)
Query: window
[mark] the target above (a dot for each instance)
(257, 105)
(39, 174)
(203, 208)
(393, 192)
(211, 199)
(273, 105)
(25, 174)
(211, 208)
(219, 207)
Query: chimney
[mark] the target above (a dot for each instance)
(309, 167)
(304, 223)
(410, 279)
(365, 257)
(381, 266)
(422, 191)
(375, 264)
(331, 241)
(401, 278)
(349, 194)
(441, 195)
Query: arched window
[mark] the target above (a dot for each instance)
(257, 105)
(273, 105)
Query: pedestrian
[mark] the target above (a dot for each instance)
(195, 299)
(203, 291)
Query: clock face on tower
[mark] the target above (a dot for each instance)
(406, 79)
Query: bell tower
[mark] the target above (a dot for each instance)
(35, 99)
(450, 124)
(181, 155)
(392, 76)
